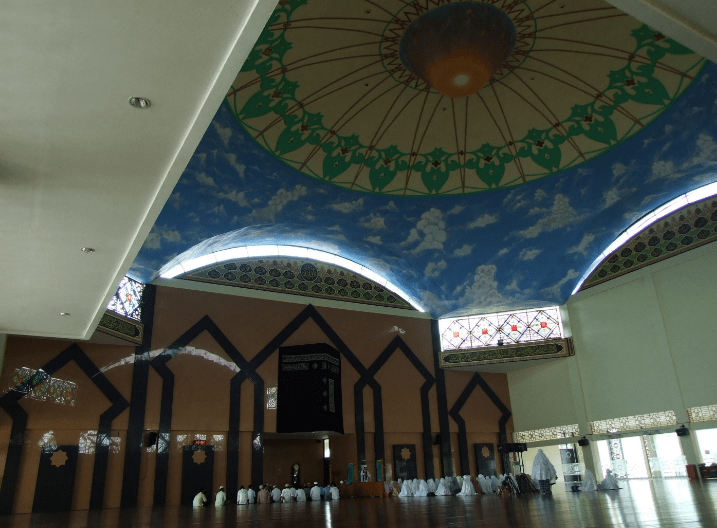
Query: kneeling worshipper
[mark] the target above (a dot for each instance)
(242, 496)
(286, 494)
(459, 480)
(275, 494)
(455, 487)
(432, 486)
(406, 489)
(544, 472)
(442, 489)
(315, 492)
(251, 495)
(610, 482)
(494, 484)
(334, 492)
(467, 489)
(200, 499)
(422, 490)
(589, 483)
(396, 488)
(326, 492)
(300, 495)
(221, 499)
(484, 485)
(263, 496)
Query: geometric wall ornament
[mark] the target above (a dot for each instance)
(687, 228)
(325, 90)
(298, 276)
(555, 348)
(121, 326)
(633, 423)
(550, 433)
(704, 413)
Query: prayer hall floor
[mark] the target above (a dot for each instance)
(641, 503)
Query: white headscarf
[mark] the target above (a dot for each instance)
(542, 468)
(589, 483)
(431, 486)
(485, 485)
(610, 482)
(467, 489)
(406, 489)
(442, 489)
(494, 485)
(422, 490)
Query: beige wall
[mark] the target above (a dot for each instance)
(201, 393)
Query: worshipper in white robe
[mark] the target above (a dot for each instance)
(467, 489)
(432, 486)
(610, 482)
(293, 491)
(406, 489)
(275, 494)
(251, 495)
(263, 496)
(334, 492)
(221, 498)
(315, 492)
(422, 490)
(589, 483)
(494, 484)
(286, 494)
(485, 485)
(501, 477)
(242, 496)
(200, 499)
(300, 495)
(455, 488)
(543, 472)
(442, 489)
(459, 480)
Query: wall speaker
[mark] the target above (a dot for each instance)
(583, 442)
(520, 448)
(151, 439)
(682, 431)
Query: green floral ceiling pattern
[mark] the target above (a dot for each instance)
(325, 92)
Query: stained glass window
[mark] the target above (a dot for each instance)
(507, 328)
(549, 433)
(50, 389)
(88, 443)
(271, 397)
(634, 423)
(127, 299)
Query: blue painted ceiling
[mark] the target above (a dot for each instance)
(506, 248)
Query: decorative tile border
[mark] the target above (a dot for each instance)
(704, 413)
(122, 327)
(298, 277)
(685, 229)
(633, 423)
(549, 433)
(506, 354)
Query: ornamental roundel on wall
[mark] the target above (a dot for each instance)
(327, 91)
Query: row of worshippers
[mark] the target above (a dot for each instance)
(268, 494)
(460, 486)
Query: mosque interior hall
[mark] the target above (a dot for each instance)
(451, 259)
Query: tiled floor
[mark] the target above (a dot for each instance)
(642, 503)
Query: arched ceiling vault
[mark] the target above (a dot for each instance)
(500, 199)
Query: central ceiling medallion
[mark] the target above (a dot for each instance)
(457, 47)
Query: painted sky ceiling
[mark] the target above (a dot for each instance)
(497, 245)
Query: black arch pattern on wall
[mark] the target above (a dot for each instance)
(398, 344)
(247, 371)
(10, 403)
(476, 380)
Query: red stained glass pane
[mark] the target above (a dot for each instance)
(455, 334)
(543, 324)
(513, 328)
(485, 331)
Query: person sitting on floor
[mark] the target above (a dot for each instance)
(589, 483)
(422, 490)
(315, 492)
(467, 490)
(442, 489)
(200, 499)
(251, 495)
(334, 492)
(221, 498)
(286, 494)
(406, 489)
(300, 495)
(544, 472)
(263, 496)
(275, 494)
(610, 482)
(242, 496)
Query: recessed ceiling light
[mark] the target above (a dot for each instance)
(87, 250)
(64, 314)
(139, 102)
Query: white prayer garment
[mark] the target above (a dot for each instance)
(286, 494)
(300, 495)
(276, 494)
(494, 484)
(610, 482)
(406, 489)
(442, 490)
(221, 499)
(459, 479)
(422, 490)
(315, 492)
(242, 496)
(293, 492)
(431, 486)
(199, 499)
(501, 477)
(334, 492)
(485, 485)
(454, 485)
(251, 495)
(467, 489)
(543, 469)
(589, 483)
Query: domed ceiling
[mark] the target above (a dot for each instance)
(498, 199)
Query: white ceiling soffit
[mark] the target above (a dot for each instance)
(692, 23)
(79, 167)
